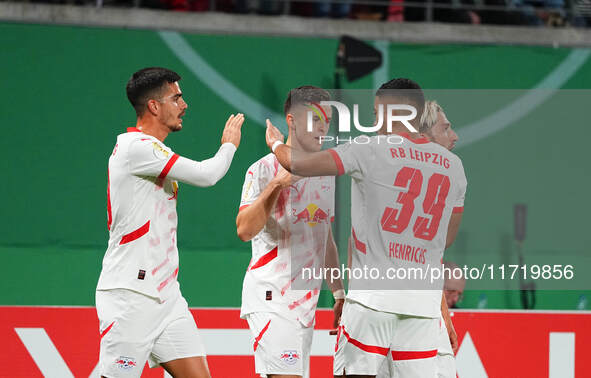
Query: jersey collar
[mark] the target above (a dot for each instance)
(133, 130)
(420, 140)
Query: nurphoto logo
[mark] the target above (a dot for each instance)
(345, 116)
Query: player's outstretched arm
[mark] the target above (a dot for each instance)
(300, 162)
(209, 172)
(251, 219)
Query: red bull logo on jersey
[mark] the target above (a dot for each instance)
(312, 215)
(290, 357)
(125, 363)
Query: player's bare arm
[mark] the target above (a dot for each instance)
(335, 285)
(452, 229)
(251, 219)
(451, 332)
(349, 259)
(302, 163)
(332, 261)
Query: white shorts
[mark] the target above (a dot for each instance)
(446, 367)
(446, 362)
(368, 338)
(136, 328)
(281, 345)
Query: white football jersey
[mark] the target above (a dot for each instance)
(403, 193)
(142, 194)
(292, 242)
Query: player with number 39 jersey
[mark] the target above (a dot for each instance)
(407, 198)
(403, 196)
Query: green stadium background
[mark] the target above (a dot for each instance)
(64, 104)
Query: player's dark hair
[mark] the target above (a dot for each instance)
(147, 84)
(406, 90)
(304, 95)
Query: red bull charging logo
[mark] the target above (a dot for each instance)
(125, 363)
(312, 215)
(290, 357)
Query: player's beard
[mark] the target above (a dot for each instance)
(175, 125)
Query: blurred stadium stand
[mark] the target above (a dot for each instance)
(287, 25)
(554, 13)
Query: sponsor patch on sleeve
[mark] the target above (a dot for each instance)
(247, 191)
(160, 152)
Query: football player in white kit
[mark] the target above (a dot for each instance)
(437, 128)
(142, 314)
(288, 221)
(435, 125)
(406, 205)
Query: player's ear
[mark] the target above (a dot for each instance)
(153, 106)
(290, 122)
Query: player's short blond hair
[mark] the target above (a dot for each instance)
(429, 116)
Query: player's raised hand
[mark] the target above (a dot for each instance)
(232, 129)
(273, 134)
